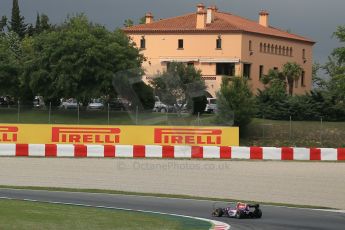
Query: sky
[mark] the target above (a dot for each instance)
(315, 19)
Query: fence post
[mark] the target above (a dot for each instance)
(321, 131)
(198, 118)
(18, 112)
(49, 113)
(108, 114)
(136, 115)
(290, 129)
(263, 127)
(78, 112)
(166, 117)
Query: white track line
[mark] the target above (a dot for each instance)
(174, 198)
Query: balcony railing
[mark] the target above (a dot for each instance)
(214, 77)
(209, 78)
(204, 77)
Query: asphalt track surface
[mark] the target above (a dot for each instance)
(276, 218)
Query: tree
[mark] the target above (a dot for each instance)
(339, 53)
(319, 83)
(335, 67)
(42, 24)
(235, 98)
(128, 84)
(45, 24)
(145, 94)
(3, 23)
(10, 66)
(179, 85)
(14, 44)
(272, 101)
(31, 30)
(292, 72)
(79, 59)
(142, 20)
(38, 24)
(275, 84)
(128, 23)
(17, 24)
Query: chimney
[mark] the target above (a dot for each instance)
(200, 7)
(215, 8)
(149, 18)
(200, 16)
(263, 18)
(210, 15)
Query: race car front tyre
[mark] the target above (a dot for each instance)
(217, 212)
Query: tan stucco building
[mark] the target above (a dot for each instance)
(220, 43)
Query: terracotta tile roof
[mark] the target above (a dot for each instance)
(224, 22)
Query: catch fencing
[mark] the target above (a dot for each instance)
(106, 115)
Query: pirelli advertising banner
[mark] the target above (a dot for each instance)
(120, 135)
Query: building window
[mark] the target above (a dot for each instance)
(142, 43)
(227, 69)
(277, 50)
(180, 43)
(261, 71)
(303, 54)
(168, 66)
(303, 79)
(296, 83)
(246, 70)
(190, 64)
(275, 68)
(250, 46)
(219, 43)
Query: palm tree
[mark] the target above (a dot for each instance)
(292, 72)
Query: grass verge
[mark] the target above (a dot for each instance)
(16, 214)
(262, 132)
(57, 189)
(101, 117)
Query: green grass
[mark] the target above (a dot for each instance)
(18, 215)
(156, 195)
(301, 134)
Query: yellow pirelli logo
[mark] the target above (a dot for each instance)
(188, 136)
(86, 135)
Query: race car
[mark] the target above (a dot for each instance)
(239, 211)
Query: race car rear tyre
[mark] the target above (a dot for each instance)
(218, 212)
(258, 213)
